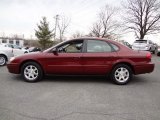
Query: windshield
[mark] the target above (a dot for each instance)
(54, 46)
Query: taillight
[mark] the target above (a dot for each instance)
(148, 55)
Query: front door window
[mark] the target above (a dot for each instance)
(71, 47)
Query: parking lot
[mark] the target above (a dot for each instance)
(80, 98)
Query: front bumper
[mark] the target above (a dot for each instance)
(13, 68)
(144, 68)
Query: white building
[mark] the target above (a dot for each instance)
(15, 41)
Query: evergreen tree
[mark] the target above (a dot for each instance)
(43, 33)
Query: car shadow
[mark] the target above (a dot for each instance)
(84, 79)
(69, 78)
(138, 79)
(77, 78)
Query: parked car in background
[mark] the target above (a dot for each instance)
(19, 48)
(84, 56)
(25, 50)
(144, 45)
(34, 49)
(5, 54)
(156, 46)
(158, 51)
(26, 47)
(16, 49)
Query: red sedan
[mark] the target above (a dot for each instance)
(83, 56)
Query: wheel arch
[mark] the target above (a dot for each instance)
(125, 63)
(30, 60)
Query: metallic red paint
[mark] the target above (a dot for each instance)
(85, 63)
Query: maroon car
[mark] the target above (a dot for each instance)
(83, 56)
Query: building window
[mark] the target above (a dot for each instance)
(11, 41)
(4, 41)
(17, 42)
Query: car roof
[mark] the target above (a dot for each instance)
(103, 39)
(92, 38)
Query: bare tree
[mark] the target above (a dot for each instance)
(77, 34)
(143, 17)
(63, 24)
(106, 24)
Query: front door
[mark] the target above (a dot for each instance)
(67, 60)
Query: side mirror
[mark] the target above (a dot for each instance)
(55, 51)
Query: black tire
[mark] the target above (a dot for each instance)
(150, 50)
(3, 60)
(116, 70)
(154, 52)
(36, 68)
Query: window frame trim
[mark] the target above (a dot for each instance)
(70, 42)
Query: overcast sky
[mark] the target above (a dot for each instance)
(21, 16)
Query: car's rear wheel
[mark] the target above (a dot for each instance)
(121, 74)
(3, 60)
(31, 72)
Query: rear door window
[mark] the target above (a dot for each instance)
(98, 46)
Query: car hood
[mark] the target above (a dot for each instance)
(29, 55)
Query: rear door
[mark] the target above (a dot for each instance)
(98, 57)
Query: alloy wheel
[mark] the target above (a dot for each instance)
(31, 72)
(2, 60)
(121, 74)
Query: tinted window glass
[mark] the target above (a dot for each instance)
(116, 48)
(98, 46)
(4, 41)
(141, 41)
(9, 45)
(71, 47)
(16, 47)
(150, 42)
(11, 41)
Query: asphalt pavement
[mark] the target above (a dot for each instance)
(80, 98)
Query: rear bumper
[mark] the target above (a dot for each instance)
(144, 68)
(13, 68)
(143, 48)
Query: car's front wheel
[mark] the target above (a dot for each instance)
(121, 74)
(3, 60)
(31, 72)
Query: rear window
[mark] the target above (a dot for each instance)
(116, 48)
(141, 41)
